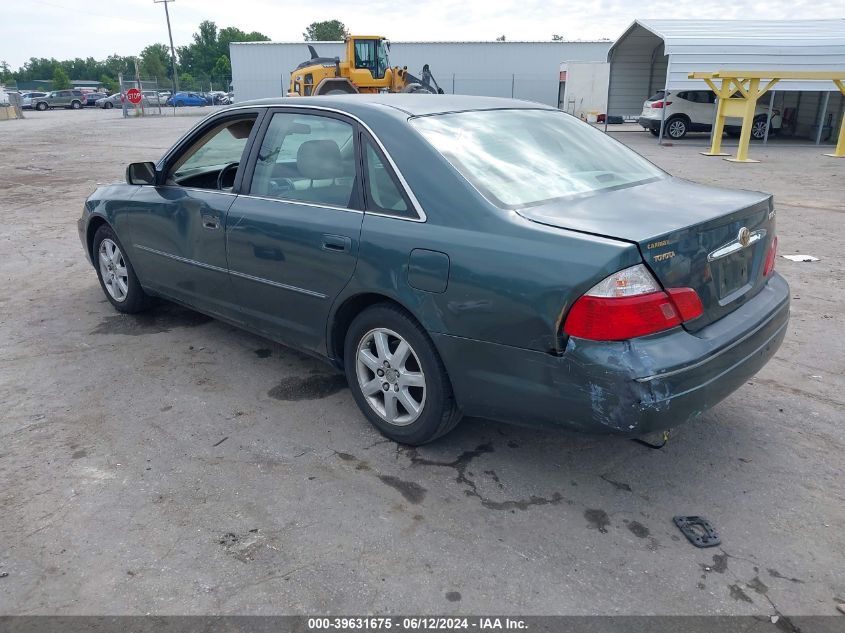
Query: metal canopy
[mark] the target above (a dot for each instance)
(686, 46)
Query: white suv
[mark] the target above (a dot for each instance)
(694, 111)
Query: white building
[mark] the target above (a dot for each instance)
(524, 70)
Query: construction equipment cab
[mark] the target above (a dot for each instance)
(365, 69)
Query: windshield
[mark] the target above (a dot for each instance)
(520, 158)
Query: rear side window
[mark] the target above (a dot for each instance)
(382, 190)
(306, 158)
(656, 96)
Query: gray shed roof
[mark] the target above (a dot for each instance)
(710, 45)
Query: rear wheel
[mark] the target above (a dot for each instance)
(41, 106)
(676, 128)
(180, 104)
(397, 377)
(75, 105)
(109, 105)
(115, 272)
(336, 92)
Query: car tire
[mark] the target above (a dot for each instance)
(108, 105)
(654, 132)
(180, 104)
(758, 128)
(418, 377)
(75, 105)
(117, 276)
(676, 128)
(41, 107)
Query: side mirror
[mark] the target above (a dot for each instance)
(141, 174)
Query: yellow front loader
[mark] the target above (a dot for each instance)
(366, 69)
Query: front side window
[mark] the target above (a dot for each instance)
(520, 158)
(212, 160)
(307, 158)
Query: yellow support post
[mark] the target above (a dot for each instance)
(839, 152)
(747, 84)
(719, 127)
(748, 105)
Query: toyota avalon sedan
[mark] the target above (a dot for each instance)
(454, 256)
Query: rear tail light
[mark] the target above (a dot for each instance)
(630, 303)
(659, 104)
(771, 256)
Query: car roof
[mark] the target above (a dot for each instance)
(411, 104)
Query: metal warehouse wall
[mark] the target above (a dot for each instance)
(525, 70)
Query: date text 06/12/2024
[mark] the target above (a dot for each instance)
(416, 624)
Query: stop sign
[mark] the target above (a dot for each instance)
(134, 95)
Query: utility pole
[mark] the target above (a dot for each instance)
(172, 50)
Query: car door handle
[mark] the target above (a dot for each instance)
(337, 243)
(210, 222)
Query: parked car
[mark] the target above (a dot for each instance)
(27, 97)
(181, 99)
(59, 99)
(458, 255)
(695, 111)
(112, 101)
(91, 98)
(151, 98)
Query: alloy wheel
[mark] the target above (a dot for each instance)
(677, 129)
(113, 270)
(758, 129)
(390, 376)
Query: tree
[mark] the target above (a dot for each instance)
(60, 79)
(155, 61)
(200, 57)
(109, 83)
(327, 31)
(186, 81)
(222, 68)
(5, 72)
(501, 38)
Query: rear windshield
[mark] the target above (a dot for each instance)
(520, 158)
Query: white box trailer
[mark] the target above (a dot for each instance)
(583, 88)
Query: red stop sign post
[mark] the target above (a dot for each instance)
(134, 96)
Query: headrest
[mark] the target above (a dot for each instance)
(319, 160)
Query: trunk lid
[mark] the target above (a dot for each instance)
(690, 236)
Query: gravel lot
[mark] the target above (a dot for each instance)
(171, 464)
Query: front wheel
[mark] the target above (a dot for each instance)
(397, 377)
(180, 104)
(41, 106)
(76, 105)
(116, 275)
(109, 105)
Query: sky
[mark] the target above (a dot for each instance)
(80, 28)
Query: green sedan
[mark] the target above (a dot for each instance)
(454, 256)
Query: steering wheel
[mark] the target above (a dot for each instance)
(224, 172)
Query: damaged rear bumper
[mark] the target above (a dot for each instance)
(627, 387)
